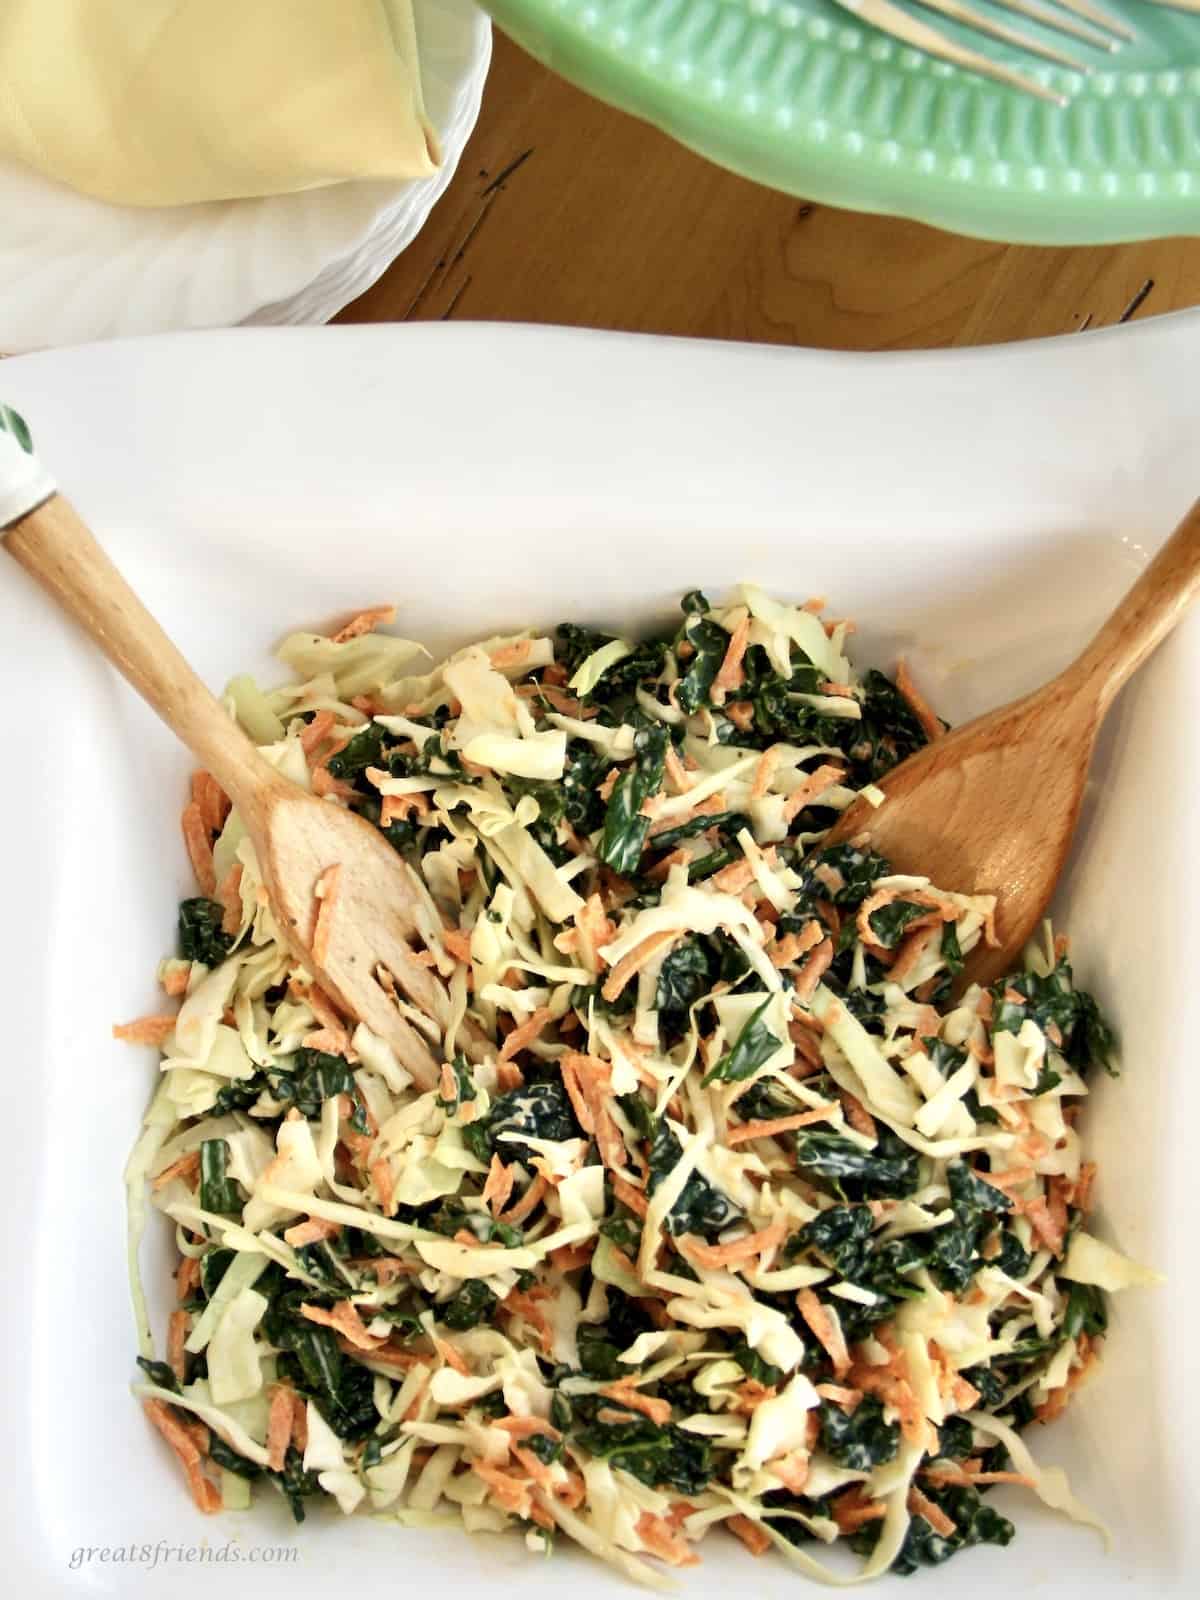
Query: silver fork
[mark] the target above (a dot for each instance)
(1081, 20)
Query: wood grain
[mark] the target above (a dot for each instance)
(566, 211)
(995, 803)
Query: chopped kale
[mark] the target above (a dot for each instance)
(658, 1455)
(1087, 1312)
(625, 828)
(859, 871)
(470, 1304)
(576, 644)
(294, 1484)
(200, 935)
(859, 1440)
(754, 1046)
(364, 750)
(535, 1110)
(688, 971)
(315, 1365)
(159, 1373)
(890, 1171)
(753, 1365)
(1087, 1038)
(708, 642)
(314, 1077)
(889, 922)
(701, 1207)
(975, 1522)
(217, 1192)
(224, 1455)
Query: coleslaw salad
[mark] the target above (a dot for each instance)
(743, 1218)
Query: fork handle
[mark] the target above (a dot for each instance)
(46, 535)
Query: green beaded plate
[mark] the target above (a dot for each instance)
(799, 95)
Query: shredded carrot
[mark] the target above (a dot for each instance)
(528, 1203)
(145, 1030)
(499, 1186)
(511, 1494)
(664, 1541)
(316, 732)
(738, 875)
(922, 1506)
(344, 1320)
(814, 969)
(792, 1471)
(730, 674)
(279, 1425)
(326, 894)
(458, 943)
(199, 849)
(751, 1535)
(212, 800)
(177, 1332)
(930, 723)
(204, 1491)
(857, 1115)
(636, 959)
(364, 622)
(387, 1355)
(633, 1199)
(511, 655)
(852, 1509)
(521, 1303)
(311, 1231)
(746, 1249)
(325, 785)
(848, 1399)
(451, 1356)
(187, 1168)
(187, 1275)
(230, 897)
(825, 1330)
(763, 772)
(522, 1037)
(777, 1125)
(810, 789)
(527, 1427)
(381, 1177)
(571, 1257)
(1048, 1220)
(741, 714)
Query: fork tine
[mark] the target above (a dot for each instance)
(1091, 12)
(889, 18)
(957, 12)
(1037, 12)
(1179, 5)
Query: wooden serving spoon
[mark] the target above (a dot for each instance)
(372, 921)
(991, 808)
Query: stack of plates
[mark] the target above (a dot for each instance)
(74, 269)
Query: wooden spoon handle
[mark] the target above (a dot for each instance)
(1145, 616)
(54, 545)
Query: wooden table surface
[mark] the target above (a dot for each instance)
(563, 210)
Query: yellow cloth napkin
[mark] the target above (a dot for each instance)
(161, 102)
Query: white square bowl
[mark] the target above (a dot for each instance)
(980, 510)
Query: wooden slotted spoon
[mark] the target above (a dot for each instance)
(992, 806)
(297, 836)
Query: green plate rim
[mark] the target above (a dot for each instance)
(1040, 203)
